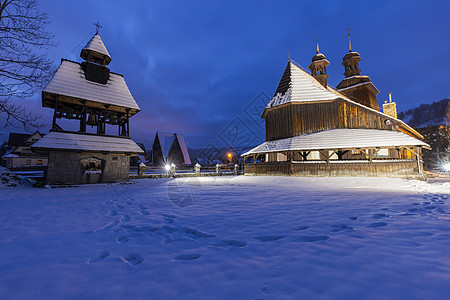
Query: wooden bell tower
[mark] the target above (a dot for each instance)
(318, 66)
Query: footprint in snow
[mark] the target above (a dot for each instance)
(187, 257)
(407, 214)
(193, 233)
(169, 219)
(107, 226)
(122, 239)
(379, 216)
(301, 228)
(269, 238)
(313, 238)
(353, 218)
(98, 258)
(340, 227)
(377, 224)
(430, 207)
(230, 243)
(112, 213)
(144, 212)
(119, 206)
(133, 259)
(125, 218)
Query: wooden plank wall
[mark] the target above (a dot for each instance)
(301, 118)
(408, 169)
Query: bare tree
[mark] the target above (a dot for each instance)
(447, 128)
(24, 67)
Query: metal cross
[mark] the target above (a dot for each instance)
(97, 25)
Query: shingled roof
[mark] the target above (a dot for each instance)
(96, 45)
(296, 85)
(69, 80)
(341, 138)
(86, 142)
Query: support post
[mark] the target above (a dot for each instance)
(54, 114)
(83, 119)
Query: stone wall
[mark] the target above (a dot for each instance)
(66, 167)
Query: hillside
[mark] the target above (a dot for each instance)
(426, 114)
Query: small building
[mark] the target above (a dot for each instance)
(20, 154)
(315, 130)
(170, 148)
(93, 95)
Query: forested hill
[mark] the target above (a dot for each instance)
(426, 114)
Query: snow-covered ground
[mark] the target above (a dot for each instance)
(228, 238)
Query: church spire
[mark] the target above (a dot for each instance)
(356, 86)
(318, 66)
(349, 41)
(351, 60)
(95, 51)
(317, 45)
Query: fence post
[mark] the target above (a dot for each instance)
(217, 169)
(197, 169)
(141, 170)
(236, 169)
(173, 170)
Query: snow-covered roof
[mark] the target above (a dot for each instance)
(166, 141)
(302, 87)
(369, 83)
(341, 138)
(10, 154)
(86, 142)
(69, 80)
(184, 150)
(96, 45)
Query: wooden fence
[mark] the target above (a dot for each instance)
(389, 168)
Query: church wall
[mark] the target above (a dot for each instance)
(363, 95)
(303, 118)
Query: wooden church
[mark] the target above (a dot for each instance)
(315, 130)
(94, 96)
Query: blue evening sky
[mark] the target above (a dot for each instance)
(195, 67)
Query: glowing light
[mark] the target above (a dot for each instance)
(167, 167)
(230, 155)
(446, 167)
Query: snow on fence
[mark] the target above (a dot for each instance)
(195, 171)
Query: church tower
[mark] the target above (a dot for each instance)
(357, 87)
(318, 67)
